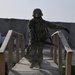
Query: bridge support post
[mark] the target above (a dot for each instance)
(10, 53)
(2, 64)
(17, 48)
(55, 50)
(68, 63)
(22, 46)
(59, 53)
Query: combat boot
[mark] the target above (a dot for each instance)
(40, 65)
(32, 65)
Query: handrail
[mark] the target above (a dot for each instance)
(8, 43)
(64, 41)
(2, 49)
(8, 36)
(59, 39)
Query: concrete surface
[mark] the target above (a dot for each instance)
(23, 68)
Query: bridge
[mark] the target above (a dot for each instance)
(56, 60)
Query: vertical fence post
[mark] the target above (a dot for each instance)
(22, 46)
(10, 53)
(17, 48)
(2, 64)
(59, 53)
(51, 50)
(68, 63)
(55, 50)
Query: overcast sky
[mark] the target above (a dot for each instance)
(53, 10)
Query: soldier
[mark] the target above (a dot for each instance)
(39, 34)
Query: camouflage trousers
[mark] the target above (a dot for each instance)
(36, 52)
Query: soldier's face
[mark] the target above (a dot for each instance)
(36, 15)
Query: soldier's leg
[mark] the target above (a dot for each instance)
(28, 49)
(40, 54)
(33, 53)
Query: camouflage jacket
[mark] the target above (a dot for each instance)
(38, 29)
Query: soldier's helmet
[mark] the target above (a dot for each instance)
(37, 12)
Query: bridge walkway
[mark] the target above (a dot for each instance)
(23, 68)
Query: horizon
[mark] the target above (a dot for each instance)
(54, 11)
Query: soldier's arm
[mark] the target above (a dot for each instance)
(30, 24)
(53, 26)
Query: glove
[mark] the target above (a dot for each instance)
(66, 30)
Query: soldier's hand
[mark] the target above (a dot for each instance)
(66, 30)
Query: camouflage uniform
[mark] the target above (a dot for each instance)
(38, 29)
